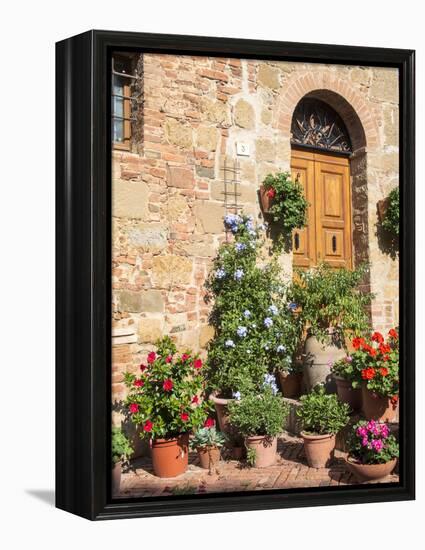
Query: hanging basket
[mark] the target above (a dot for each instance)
(382, 207)
(265, 201)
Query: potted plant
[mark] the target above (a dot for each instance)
(121, 450)
(260, 418)
(377, 360)
(284, 200)
(290, 380)
(389, 212)
(331, 306)
(165, 400)
(323, 416)
(255, 331)
(348, 382)
(208, 441)
(373, 451)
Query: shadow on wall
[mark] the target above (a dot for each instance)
(388, 242)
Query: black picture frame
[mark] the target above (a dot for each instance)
(83, 274)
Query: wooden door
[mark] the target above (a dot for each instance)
(326, 183)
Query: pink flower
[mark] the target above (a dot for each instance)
(209, 423)
(365, 441)
(143, 367)
(139, 383)
(377, 445)
(197, 364)
(184, 417)
(169, 358)
(168, 384)
(195, 400)
(134, 407)
(385, 431)
(151, 357)
(185, 357)
(147, 427)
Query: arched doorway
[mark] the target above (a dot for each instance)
(320, 152)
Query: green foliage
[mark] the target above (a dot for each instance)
(371, 443)
(323, 413)
(331, 298)
(348, 369)
(121, 446)
(207, 437)
(255, 331)
(166, 399)
(289, 207)
(262, 414)
(251, 456)
(391, 221)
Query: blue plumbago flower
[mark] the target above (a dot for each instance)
(280, 348)
(240, 246)
(242, 332)
(247, 314)
(238, 274)
(232, 222)
(252, 233)
(292, 306)
(273, 309)
(237, 395)
(268, 322)
(229, 343)
(270, 380)
(220, 273)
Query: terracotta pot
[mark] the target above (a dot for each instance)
(209, 457)
(290, 383)
(170, 456)
(318, 359)
(376, 407)
(348, 394)
(318, 449)
(265, 200)
(116, 478)
(237, 453)
(370, 472)
(265, 448)
(222, 413)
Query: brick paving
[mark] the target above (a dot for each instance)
(290, 471)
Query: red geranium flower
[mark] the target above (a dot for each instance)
(195, 400)
(151, 357)
(372, 352)
(209, 423)
(147, 426)
(383, 371)
(197, 363)
(138, 383)
(386, 357)
(143, 367)
(393, 334)
(185, 357)
(169, 358)
(384, 348)
(134, 407)
(271, 193)
(394, 400)
(377, 337)
(168, 384)
(357, 342)
(184, 417)
(368, 374)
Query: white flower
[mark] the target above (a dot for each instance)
(242, 331)
(247, 313)
(273, 309)
(268, 322)
(237, 395)
(229, 343)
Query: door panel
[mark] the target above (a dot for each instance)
(303, 240)
(326, 183)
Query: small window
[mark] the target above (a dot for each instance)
(122, 79)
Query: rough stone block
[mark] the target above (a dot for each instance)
(178, 134)
(150, 330)
(265, 149)
(152, 301)
(244, 115)
(180, 177)
(268, 76)
(171, 270)
(150, 237)
(206, 138)
(209, 215)
(129, 301)
(129, 199)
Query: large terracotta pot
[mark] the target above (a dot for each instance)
(116, 478)
(209, 457)
(319, 449)
(265, 200)
(220, 404)
(376, 407)
(348, 394)
(170, 456)
(290, 384)
(318, 360)
(265, 448)
(370, 472)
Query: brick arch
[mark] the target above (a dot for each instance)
(357, 115)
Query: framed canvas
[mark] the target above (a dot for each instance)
(235, 275)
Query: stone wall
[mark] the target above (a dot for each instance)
(168, 201)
